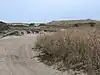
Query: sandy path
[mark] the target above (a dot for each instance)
(15, 57)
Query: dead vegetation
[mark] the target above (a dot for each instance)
(77, 49)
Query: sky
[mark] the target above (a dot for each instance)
(48, 10)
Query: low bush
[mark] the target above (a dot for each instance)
(76, 49)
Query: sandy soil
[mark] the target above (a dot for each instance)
(16, 57)
(16, 54)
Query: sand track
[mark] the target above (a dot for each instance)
(16, 54)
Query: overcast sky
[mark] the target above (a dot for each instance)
(47, 10)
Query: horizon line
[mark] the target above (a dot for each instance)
(45, 21)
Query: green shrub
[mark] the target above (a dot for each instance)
(74, 49)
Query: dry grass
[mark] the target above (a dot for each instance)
(76, 49)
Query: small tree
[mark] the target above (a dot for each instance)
(3, 23)
(3, 26)
(76, 25)
(42, 24)
(31, 24)
(92, 24)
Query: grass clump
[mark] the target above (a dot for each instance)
(75, 49)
